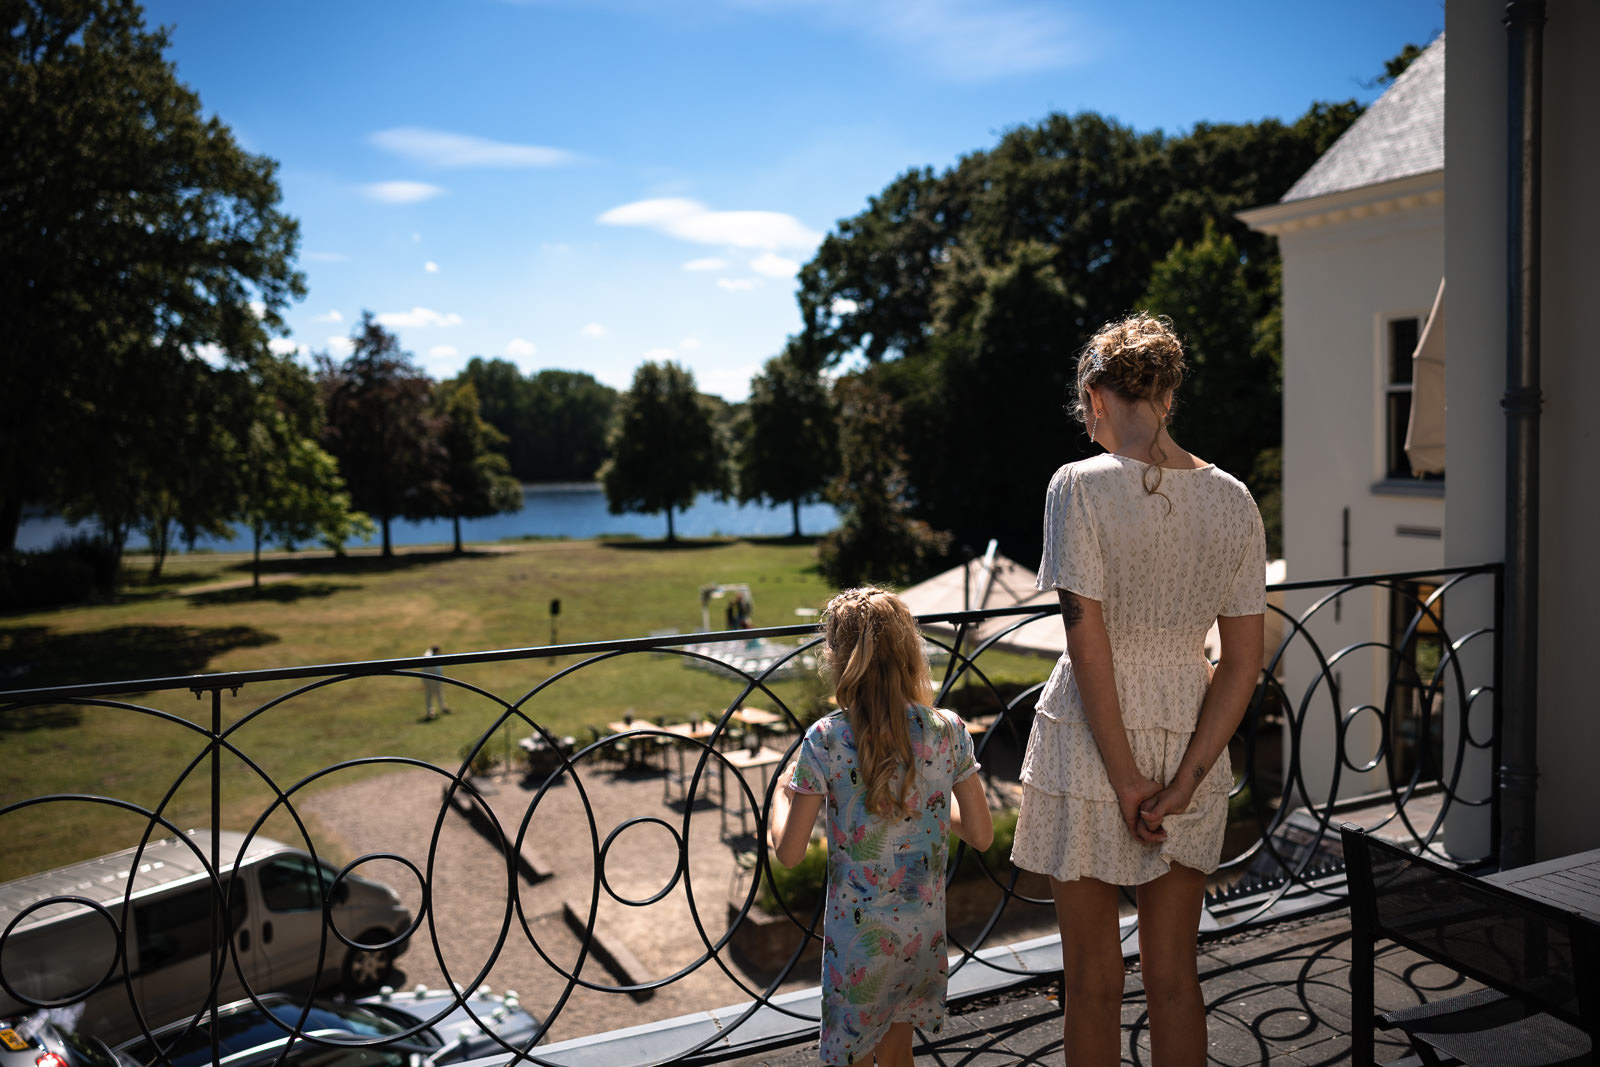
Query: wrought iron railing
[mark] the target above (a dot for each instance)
(1370, 709)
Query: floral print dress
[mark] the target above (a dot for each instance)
(883, 953)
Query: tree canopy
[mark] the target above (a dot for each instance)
(789, 445)
(555, 421)
(135, 234)
(665, 446)
(973, 289)
(475, 481)
(382, 428)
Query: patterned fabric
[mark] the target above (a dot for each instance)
(1162, 576)
(883, 945)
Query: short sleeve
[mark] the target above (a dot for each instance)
(963, 761)
(811, 768)
(1248, 593)
(1071, 558)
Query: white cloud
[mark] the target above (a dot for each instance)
(259, 308)
(331, 316)
(418, 317)
(431, 267)
(443, 352)
(340, 346)
(402, 193)
(660, 354)
(709, 263)
(438, 148)
(689, 344)
(594, 329)
(843, 306)
(774, 266)
(283, 346)
(520, 349)
(735, 285)
(326, 257)
(689, 220)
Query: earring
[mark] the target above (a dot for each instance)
(1093, 426)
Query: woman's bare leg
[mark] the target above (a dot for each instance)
(1091, 972)
(893, 1051)
(1169, 926)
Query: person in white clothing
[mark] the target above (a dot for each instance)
(1126, 775)
(432, 687)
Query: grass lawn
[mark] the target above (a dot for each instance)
(202, 617)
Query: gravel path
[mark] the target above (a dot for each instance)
(398, 813)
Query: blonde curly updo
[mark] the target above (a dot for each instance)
(1138, 358)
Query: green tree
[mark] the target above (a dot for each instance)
(974, 288)
(1231, 404)
(877, 538)
(134, 231)
(289, 489)
(665, 448)
(555, 422)
(789, 448)
(381, 428)
(475, 480)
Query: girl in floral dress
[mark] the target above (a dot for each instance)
(888, 766)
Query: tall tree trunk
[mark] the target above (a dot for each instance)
(457, 520)
(671, 534)
(10, 520)
(794, 510)
(160, 534)
(388, 548)
(255, 563)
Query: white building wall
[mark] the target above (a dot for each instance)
(1342, 281)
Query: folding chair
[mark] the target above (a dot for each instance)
(1538, 963)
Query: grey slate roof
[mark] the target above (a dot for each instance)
(1400, 135)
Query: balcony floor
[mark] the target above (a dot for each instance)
(1279, 995)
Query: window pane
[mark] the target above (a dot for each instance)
(1397, 415)
(1403, 335)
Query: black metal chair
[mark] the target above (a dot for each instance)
(1540, 965)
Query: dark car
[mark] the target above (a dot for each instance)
(36, 1041)
(365, 1033)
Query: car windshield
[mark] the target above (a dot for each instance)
(250, 1028)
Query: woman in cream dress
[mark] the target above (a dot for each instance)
(1126, 777)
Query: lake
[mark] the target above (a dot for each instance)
(572, 511)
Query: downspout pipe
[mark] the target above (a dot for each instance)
(1519, 773)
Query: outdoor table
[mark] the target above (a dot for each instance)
(757, 717)
(742, 760)
(1570, 882)
(688, 731)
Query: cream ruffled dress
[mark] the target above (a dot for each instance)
(1162, 575)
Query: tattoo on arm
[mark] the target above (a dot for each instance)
(1072, 610)
(1199, 774)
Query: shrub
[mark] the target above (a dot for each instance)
(802, 885)
(68, 572)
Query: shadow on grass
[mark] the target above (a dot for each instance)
(685, 544)
(276, 593)
(38, 657)
(357, 564)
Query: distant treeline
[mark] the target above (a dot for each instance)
(554, 421)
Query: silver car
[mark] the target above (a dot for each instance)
(394, 1030)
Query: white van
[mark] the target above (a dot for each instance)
(56, 953)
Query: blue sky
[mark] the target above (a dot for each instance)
(586, 184)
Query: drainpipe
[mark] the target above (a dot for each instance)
(1519, 773)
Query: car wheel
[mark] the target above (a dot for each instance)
(366, 968)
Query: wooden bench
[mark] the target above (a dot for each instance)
(1538, 963)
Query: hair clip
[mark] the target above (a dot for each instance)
(1097, 361)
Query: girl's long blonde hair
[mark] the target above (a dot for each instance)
(875, 656)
